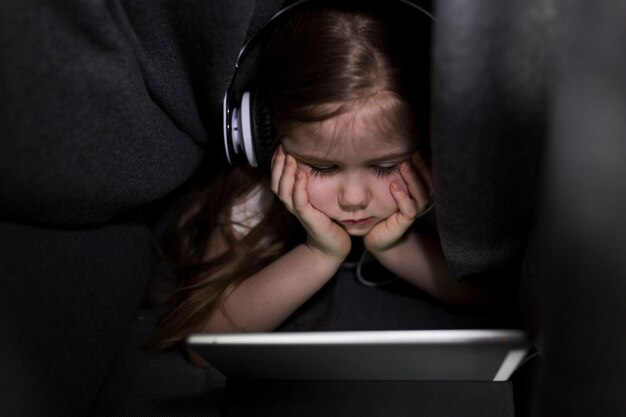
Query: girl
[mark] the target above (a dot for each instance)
(348, 93)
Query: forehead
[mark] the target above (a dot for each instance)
(369, 131)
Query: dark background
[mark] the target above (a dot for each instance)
(109, 107)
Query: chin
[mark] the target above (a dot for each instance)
(358, 232)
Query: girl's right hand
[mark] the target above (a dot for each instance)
(289, 183)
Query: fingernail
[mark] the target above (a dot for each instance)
(395, 186)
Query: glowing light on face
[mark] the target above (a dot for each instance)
(352, 159)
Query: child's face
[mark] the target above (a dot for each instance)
(351, 160)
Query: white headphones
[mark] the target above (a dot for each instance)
(238, 130)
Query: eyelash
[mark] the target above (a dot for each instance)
(386, 171)
(321, 172)
(379, 171)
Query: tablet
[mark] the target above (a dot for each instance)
(435, 355)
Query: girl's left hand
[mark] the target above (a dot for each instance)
(389, 232)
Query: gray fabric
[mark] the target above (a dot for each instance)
(583, 282)
(513, 78)
(66, 298)
(142, 383)
(108, 107)
(491, 62)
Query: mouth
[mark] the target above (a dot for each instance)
(366, 221)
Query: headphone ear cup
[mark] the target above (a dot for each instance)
(263, 134)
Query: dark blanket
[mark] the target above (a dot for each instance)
(108, 107)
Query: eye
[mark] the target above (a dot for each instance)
(322, 171)
(381, 171)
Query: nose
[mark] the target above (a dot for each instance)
(354, 195)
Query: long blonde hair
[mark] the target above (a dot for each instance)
(319, 56)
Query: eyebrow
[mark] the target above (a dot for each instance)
(400, 156)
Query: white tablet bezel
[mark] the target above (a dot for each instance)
(351, 355)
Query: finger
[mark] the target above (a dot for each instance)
(415, 184)
(303, 209)
(300, 195)
(407, 207)
(278, 163)
(287, 179)
(276, 152)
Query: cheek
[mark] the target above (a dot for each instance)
(321, 194)
(383, 193)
